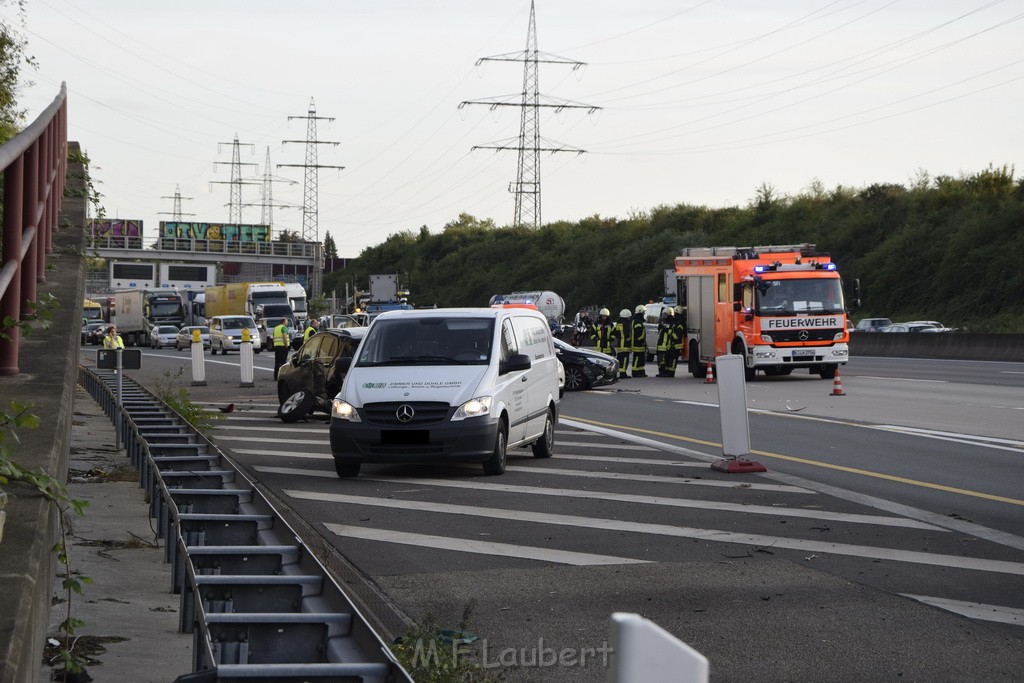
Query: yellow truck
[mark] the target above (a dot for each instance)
(226, 299)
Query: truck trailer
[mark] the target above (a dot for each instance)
(550, 304)
(138, 310)
(781, 307)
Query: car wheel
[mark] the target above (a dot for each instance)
(575, 380)
(213, 350)
(496, 463)
(297, 406)
(544, 447)
(346, 469)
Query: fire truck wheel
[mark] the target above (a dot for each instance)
(827, 371)
(693, 360)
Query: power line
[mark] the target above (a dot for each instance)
(175, 212)
(266, 202)
(529, 146)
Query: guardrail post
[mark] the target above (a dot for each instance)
(10, 305)
(30, 264)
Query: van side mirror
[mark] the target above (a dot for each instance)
(518, 361)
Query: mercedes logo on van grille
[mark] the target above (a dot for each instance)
(405, 412)
(803, 335)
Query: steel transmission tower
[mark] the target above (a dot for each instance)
(530, 143)
(310, 224)
(266, 202)
(235, 202)
(175, 212)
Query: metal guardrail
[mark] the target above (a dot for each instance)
(260, 606)
(34, 164)
(306, 250)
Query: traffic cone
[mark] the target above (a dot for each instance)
(837, 386)
(709, 378)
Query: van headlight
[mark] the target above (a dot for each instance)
(343, 410)
(474, 407)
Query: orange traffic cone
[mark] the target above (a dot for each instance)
(837, 386)
(709, 378)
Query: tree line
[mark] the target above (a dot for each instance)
(940, 248)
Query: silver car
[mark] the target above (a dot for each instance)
(184, 338)
(226, 333)
(162, 335)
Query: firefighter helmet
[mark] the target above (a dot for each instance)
(641, 308)
(679, 310)
(605, 312)
(624, 313)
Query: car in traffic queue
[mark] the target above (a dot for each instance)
(313, 375)
(910, 327)
(92, 333)
(162, 335)
(226, 333)
(183, 340)
(586, 368)
(872, 324)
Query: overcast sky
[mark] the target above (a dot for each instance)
(702, 101)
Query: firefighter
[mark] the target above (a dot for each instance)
(666, 341)
(624, 341)
(678, 340)
(602, 332)
(639, 342)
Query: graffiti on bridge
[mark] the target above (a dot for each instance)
(117, 227)
(228, 232)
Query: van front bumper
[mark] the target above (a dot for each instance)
(469, 440)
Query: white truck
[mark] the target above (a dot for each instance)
(136, 311)
(548, 303)
(297, 299)
(262, 293)
(384, 288)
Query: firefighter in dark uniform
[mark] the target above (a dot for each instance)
(639, 342)
(666, 340)
(623, 341)
(678, 340)
(602, 333)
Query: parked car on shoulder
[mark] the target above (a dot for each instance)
(226, 333)
(162, 335)
(184, 338)
(872, 324)
(585, 368)
(909, 327)
(312, 377)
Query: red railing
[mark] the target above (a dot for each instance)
(34, 164)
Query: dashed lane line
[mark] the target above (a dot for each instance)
(478, 547)
(716, 535)
(974, 610)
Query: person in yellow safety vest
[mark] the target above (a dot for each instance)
(113, 339)
(679, 340)
(603, 332)
(639, 342)
(666, 341)
(623, 341)
(281, 343)
(310, 331)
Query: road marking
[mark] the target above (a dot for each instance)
(286, 454)
(903, 379)
(665, 502)
(716, 535)
(1011, 372)
(974, 610)
(616, 446)
(277, 430)
(478, 547)
(817, 463)
(986, 441)
(628, 461)
(249, 439)
(702, 404)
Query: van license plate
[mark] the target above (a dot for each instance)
(405, 437)
(803, 353)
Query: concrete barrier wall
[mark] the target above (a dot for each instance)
(952, 345)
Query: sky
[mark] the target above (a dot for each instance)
(698, 102)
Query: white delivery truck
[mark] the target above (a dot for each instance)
(297, 300)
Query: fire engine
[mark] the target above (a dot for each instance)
(781, 307)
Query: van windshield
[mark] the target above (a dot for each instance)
(428, 341)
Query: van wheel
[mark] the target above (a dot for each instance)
(296, 407)
(496, 463)
(544, 447)
(346, 469)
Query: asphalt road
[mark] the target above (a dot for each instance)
(890, 521)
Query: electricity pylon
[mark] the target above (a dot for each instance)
(175, 212)
(235, 202)
(266, 202)
(310, 219)
(530, 143)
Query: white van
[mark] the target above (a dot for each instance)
(226, 333)
(448, 385)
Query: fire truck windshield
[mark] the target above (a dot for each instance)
(799, 297)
